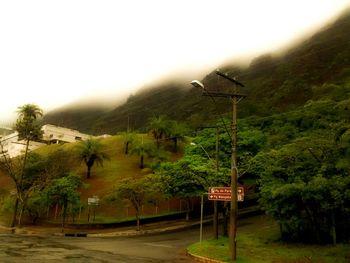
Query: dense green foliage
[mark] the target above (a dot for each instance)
(304, 169)
(42, 172)
(137, 192)
(300, 159)
(63, 191)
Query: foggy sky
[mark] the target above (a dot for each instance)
(56, 52)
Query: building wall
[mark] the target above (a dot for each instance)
(13, 147)
(52, 133)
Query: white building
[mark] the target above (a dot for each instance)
(51, 134)
(13, 147)
(57, 134)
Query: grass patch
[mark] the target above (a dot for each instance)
(259, 243)
(103, 179)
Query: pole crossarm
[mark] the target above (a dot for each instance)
(229, 78)
(224, 95)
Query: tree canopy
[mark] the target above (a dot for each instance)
(138, 192)
(26, 124)
(91, 151)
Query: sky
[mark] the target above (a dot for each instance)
(56, 52)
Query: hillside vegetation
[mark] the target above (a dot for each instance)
(104, 178)
(293, 140)
(274, 83)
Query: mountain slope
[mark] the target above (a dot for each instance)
(274, 83)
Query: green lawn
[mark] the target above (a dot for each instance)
(258, 241)
(103, 178)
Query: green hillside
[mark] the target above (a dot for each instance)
(103, 179)
(274, 83)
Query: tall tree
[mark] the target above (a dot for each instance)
(26, 124)
(28, 129)
(159, 127)
(138, 192)
(142, 149)
(188, 178)
(128, 138)
(176, 133)
(63, 191)
(91, 151)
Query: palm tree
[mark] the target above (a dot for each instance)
(128, 138)
(159, 127)
(91, 151)
(142, 149)
(29, 111)
(176, 133)
(28, 130)
(26, 122)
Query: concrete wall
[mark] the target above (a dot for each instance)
(13, 147)
(55, 134)
(51, 134)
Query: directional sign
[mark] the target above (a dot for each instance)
(224, 193)
(93, 200)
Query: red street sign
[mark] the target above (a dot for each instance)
(224, 193)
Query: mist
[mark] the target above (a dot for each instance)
(102, 53)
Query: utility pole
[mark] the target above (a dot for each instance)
(234, 97)
(234, 171)
(216, 213)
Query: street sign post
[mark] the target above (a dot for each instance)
(224, 193)
(240, 193)
(93, 201)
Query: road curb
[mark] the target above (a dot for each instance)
(204, 259)
(143, 232)
(120, 233)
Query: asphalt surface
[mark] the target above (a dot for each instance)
(165, 242)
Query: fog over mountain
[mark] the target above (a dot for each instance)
(115, 48)
(275, 82)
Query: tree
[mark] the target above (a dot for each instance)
(305, 186)
(128, 138)
(63, 191)
(37, 205)
(176, 133)
(26, 125)
(40, 171)
(189, 177)
(91, 151)
(28, 129)
(138, 192)
(142, 149)
(159, 127)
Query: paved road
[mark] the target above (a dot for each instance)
(164, 247)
